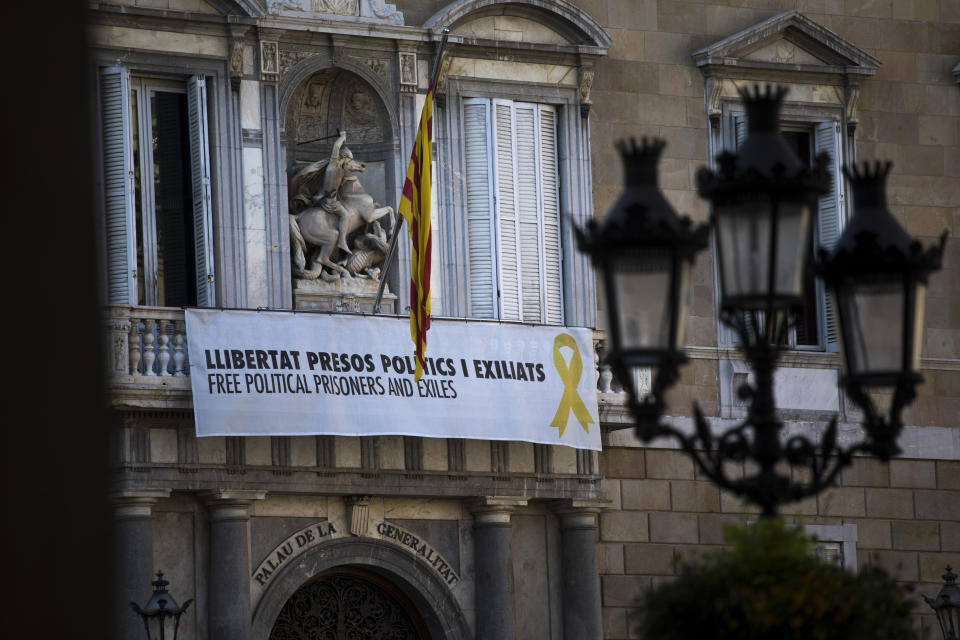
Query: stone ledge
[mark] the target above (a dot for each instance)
(222, 477)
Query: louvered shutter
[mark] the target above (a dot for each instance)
(830, 215)
(508, 248)
(739, 135)
(739, 130)
(479, 201)
(528, 212)
(118, 187)
(550, 207)
(200, 178)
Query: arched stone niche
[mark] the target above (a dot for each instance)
(434, 600)
(333, 99)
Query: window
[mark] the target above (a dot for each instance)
(512, 207)
(815, 324)
(156, 190)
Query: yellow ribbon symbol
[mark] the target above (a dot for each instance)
(570, 376)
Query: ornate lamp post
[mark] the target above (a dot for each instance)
(947, 606)
(645, 251)
(161, 615)
(762, 202)
(878, 275)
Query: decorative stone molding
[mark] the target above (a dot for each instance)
(787, 48)
(494, 511)
(269, 60)
(407, 62)
(342, 10)
(563, 17)
(237, 35)
(289, 58)
(585, 91)
(358, 514)
(230, 504)
(136, 504)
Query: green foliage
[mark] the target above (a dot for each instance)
(769, 584)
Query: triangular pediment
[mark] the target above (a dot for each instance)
(789, 41)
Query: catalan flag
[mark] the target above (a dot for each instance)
(415, 209)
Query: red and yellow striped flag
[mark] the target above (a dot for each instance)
(415, 209)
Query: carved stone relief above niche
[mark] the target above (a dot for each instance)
(353, 10)
(332, 100)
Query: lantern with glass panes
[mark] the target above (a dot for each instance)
(763, 199)
(161, 615)
(878, 274)
(645, 251)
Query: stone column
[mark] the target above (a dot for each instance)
(493, 567)
(581, 580)
(133, 544)
(229, 577)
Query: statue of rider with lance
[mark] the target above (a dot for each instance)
(332, 179)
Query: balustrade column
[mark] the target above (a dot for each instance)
(581, 580)
(229, 590)
(493, 564)
(133, 545)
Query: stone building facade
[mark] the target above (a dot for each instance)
(514, 539)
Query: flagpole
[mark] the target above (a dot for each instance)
(434, 78)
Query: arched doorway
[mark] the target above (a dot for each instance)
(349, 603)
(436, 603)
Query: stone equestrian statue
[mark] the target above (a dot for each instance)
(327, 207)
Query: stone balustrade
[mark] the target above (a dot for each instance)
(148, 345)
(147, 342)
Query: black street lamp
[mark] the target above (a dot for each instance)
(645, 251)
(878, 276)
(762, 202)
(161, 613)
(947, 606)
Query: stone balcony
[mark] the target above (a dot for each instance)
(148, 365)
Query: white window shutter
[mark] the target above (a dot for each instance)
(507, 223)
(827, 140)
(739, 130)
(528, 212)
(118, 187)
(200, 176)
(479, 204)
(550, 206)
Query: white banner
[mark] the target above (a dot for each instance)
(283, 373)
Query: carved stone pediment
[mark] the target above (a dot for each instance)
(789, 42)
(353, 10)
(790, 48)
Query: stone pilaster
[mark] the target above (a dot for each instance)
(493, 561)
(229, 576)
(133, 544)
(581, 581)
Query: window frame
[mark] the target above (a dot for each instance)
(574, 196)
(794, 117)
(496, 220)
(176, 78)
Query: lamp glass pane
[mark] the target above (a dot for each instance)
(792, 238)
(920, 302)
(642, 284)
(743, 236)
(872, 312)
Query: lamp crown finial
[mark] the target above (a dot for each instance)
(869, 183)
(763, 107)
(640, 161)
(160, 584)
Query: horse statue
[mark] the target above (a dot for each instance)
(329, 206)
